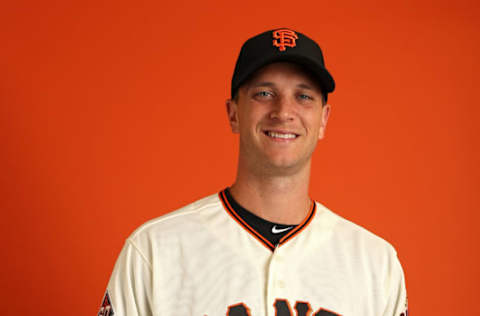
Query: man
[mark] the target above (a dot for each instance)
(262, 246)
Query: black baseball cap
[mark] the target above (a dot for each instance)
(279, 45)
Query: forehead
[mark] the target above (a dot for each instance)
(283, 72)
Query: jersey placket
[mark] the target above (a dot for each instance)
(275, 281)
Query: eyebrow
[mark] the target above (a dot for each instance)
(271, 84)
(263, 84)
(305, 86)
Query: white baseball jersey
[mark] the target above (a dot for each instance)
(203, 260)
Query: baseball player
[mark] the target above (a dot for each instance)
(262, 246)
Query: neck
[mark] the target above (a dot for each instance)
(276, 198)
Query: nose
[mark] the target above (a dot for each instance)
(283, 109)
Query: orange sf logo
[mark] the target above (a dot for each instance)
(283, 38)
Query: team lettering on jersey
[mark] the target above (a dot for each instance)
(282, 308)
(106, 307)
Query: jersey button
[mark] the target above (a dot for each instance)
(281, 284)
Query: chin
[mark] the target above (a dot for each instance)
(286, 164)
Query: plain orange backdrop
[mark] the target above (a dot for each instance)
(113, 113)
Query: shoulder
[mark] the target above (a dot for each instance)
(346, 234)
(369, 258)
(190, 220)
(182, 216)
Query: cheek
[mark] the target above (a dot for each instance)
(316, 128)
(313, 120)
(250, 118)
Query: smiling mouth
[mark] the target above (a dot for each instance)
(280, 135)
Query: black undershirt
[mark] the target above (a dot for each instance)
(273, 232)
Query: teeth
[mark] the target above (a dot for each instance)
(279, 135)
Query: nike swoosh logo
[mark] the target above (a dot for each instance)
(276, 230)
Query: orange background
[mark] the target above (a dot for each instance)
(112, 113)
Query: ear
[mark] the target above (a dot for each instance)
(232, 113)
(325, 114)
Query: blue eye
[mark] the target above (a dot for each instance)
(305, 97)
(263, 94)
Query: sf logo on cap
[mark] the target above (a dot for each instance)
(284, 38)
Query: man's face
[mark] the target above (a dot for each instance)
(280, 116)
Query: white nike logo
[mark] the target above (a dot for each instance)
(276, 230)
